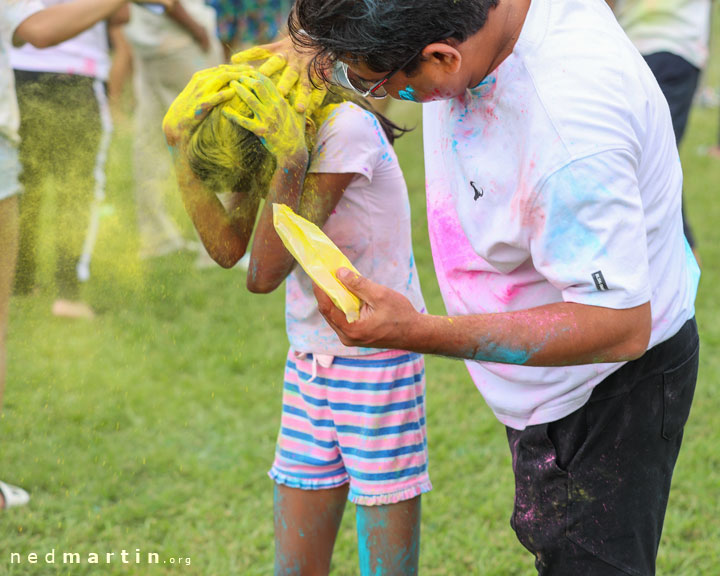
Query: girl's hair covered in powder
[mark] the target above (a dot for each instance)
(229, 157)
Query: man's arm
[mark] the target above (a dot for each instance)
(60, 22)
(558, 334)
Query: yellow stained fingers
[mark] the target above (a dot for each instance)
(250, 98)
(214, 100)
(273, 65)
(206, 90)
(244, 122)
(302, 98)
(316, 98)
(253, 54)
(288, 79)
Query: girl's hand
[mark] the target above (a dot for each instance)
(282, 55)
(206, 89)
(280, 128)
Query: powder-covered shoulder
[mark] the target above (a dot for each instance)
(350, 140)
(354, 123)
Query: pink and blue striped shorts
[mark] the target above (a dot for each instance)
(361, 420)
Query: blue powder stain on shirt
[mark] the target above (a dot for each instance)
(485, 87)
(569, 237)
(412, 263)
(408, 93)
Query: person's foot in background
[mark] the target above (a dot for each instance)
(72, 309)
(12, 496)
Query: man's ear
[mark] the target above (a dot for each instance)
(444, 55)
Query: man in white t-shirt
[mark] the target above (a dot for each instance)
(554, 193)
(28, 21)
(673, 36)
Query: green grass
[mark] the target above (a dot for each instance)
(153, 426)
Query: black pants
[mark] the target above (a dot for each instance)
(60, 131)
(591, 489)
(678, 80)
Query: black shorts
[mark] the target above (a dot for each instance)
(591, 489)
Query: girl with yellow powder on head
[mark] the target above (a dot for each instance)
(353, 419)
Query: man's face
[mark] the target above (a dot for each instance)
(426, 84)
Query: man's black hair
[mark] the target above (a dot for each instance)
(382, 34)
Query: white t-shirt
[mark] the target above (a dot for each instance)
(12, 14)
(678, 26)
(86, 54)
(558, 179)
(370, 224)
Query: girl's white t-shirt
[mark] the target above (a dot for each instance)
(558, 179)
(87, 54)
(370, 224)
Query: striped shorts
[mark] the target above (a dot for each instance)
(360, 421)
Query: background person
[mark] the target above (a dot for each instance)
(167, 50)
(673, 36)
(65, 132)
(27, 21)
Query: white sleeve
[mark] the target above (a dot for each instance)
(13, 13)
(350, 141)
(592, 243)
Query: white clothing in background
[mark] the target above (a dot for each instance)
(681, 27)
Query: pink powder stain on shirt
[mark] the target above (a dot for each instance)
(508, 293)
(89, 67)
(523, 205)
(462, 265)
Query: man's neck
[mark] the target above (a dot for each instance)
(494, 42)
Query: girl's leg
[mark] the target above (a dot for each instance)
(306, 524)
(389, 538)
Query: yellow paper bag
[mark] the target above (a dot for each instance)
(318, 256)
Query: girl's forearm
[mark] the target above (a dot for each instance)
(270, 261)
(225, 238)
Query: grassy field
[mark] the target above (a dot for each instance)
(151, 428)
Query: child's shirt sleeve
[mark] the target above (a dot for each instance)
(13, 13)
(348, 142)
(591, 241)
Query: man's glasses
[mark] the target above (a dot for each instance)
(375, 89)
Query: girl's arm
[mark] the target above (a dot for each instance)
(270, 262)
(281, 129)
(224, 231)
